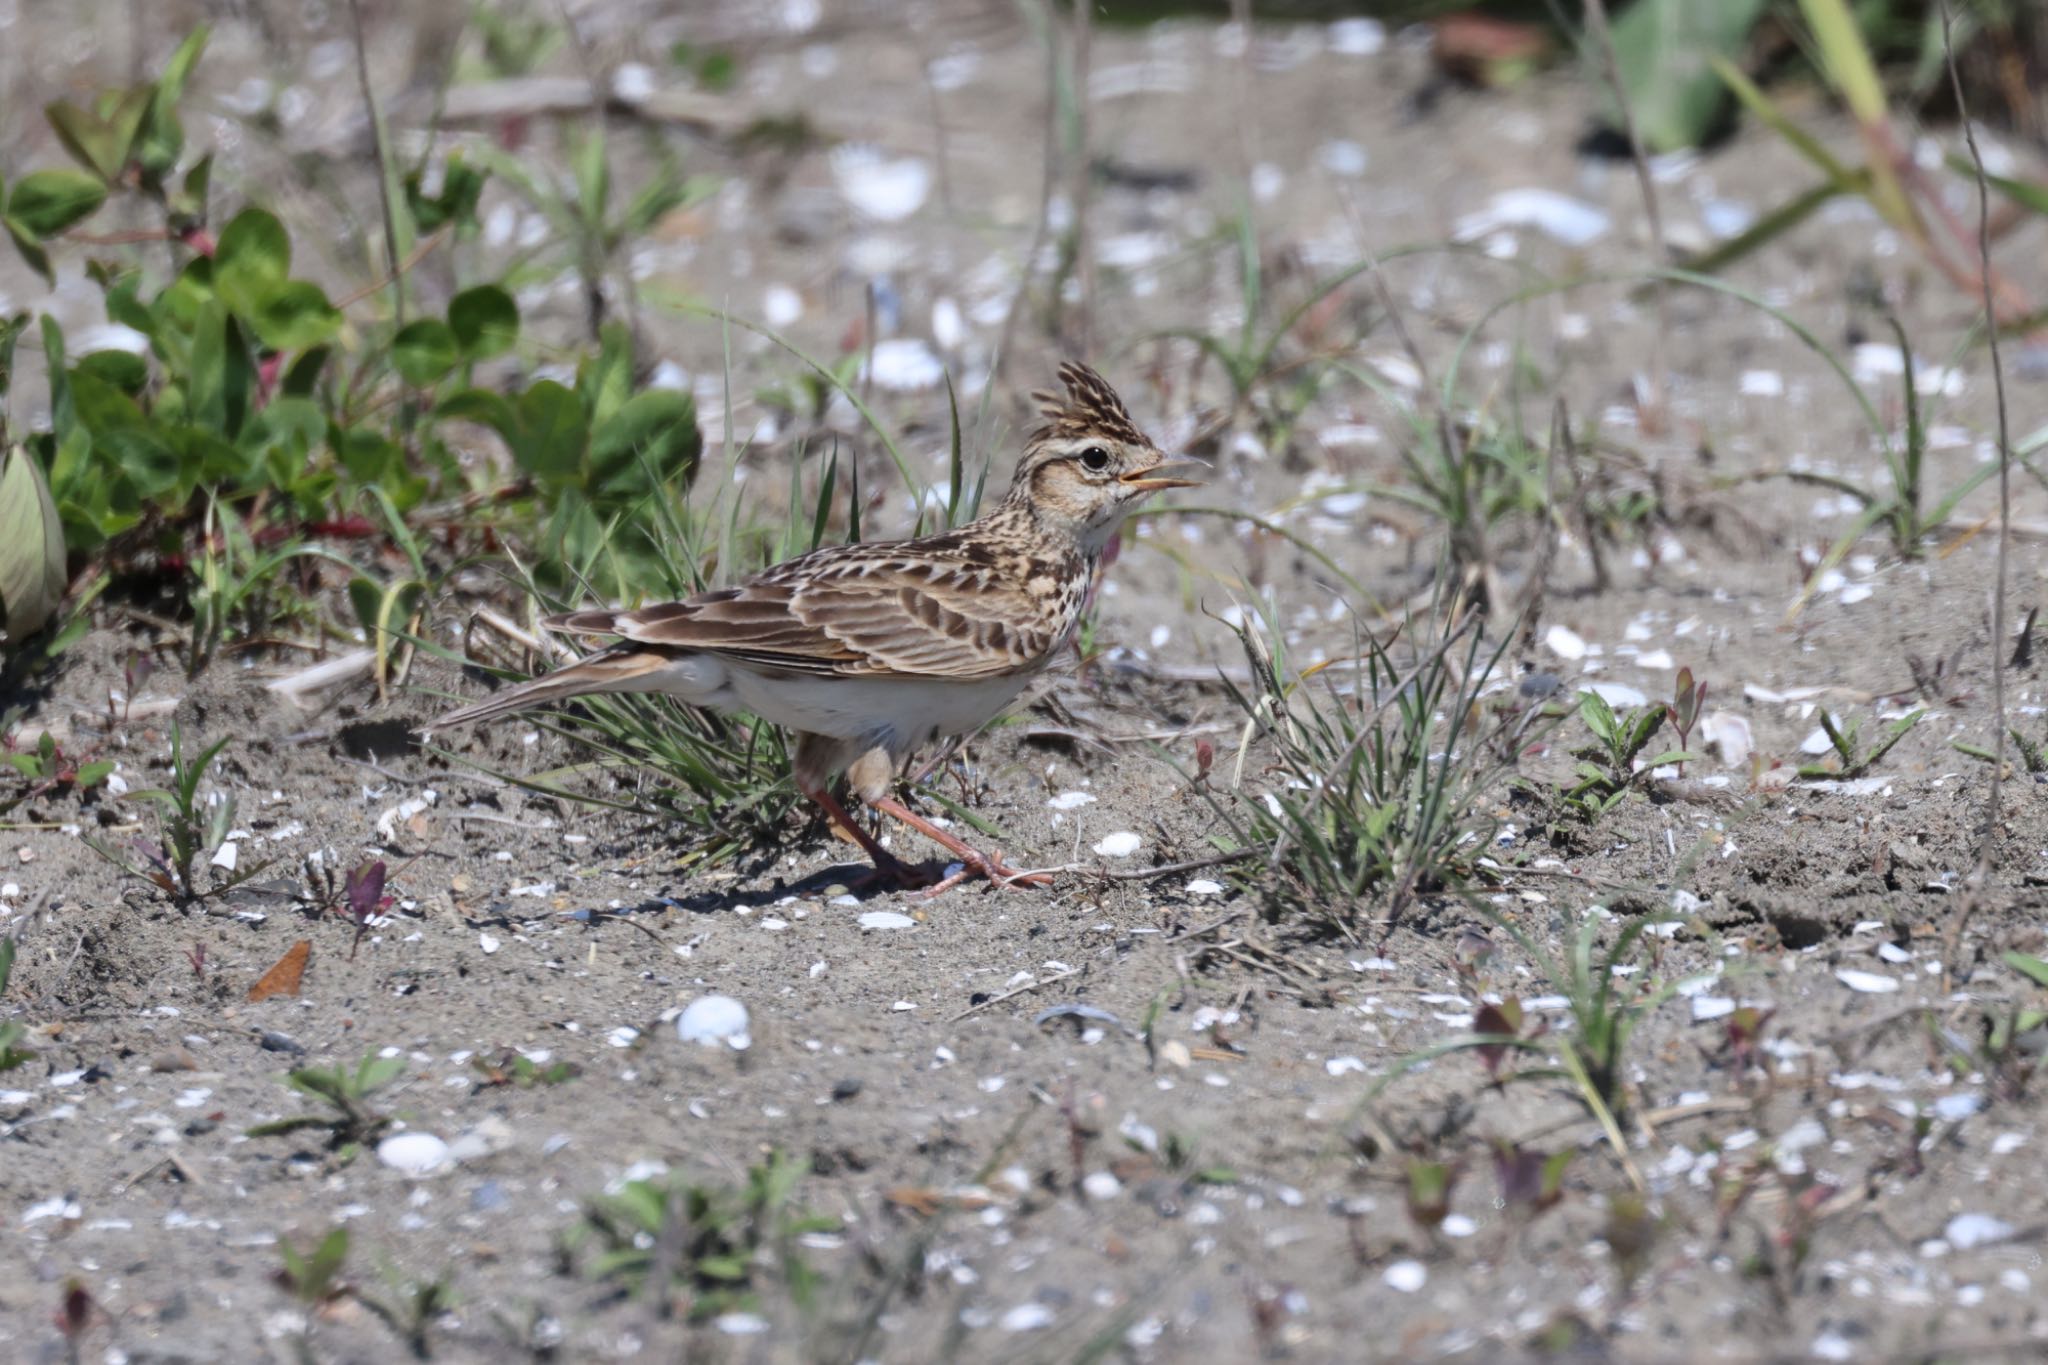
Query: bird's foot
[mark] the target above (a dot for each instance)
(989, 867)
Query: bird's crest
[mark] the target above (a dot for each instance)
(1091, 408)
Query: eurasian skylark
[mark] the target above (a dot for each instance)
(868, 651)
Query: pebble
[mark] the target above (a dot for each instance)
(1100, 1185)
(886, 919)
(413, 1154)
(713, 1019)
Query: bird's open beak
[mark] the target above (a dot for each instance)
(1166, 474)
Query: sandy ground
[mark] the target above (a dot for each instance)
(1002, 1178)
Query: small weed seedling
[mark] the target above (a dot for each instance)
(1850, 760)
(700, 1248)
(2011, 1048)
(409, 1307)
(1429, 1189)
(1529, 1179)
(520, 1072)
(1611, 766)
(314, 1280)
(46, 769)
(1688, 702)
(12, 1054)
(1605, 1010)
(351, 1122)
(189, 829)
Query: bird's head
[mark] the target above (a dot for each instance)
(1089, 464)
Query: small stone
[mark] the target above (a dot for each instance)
(845, 1089)
(1101, 1185)
(886, 919)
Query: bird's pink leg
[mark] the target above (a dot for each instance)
(981, 864)
(887, 864)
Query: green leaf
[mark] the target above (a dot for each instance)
(1662, 49)
(252, 259)
(100, 139)
(593, 176)
(32, 577)
(655, 431)
(551, 436)
(2025, 193)
(31, 251)
(10, 333)
(46, 203)
(485, 321)
(2031, 967)
(125, 370)
(295, 316)
(424, 351)
(163, 137)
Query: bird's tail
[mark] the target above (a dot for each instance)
(622, 668)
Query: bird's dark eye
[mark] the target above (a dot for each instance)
(1095, 459)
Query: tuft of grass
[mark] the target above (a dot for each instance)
(188, 829)
(1850, 758)
(700, 1250)
(1371, 794)
(350, 1121)
(12, 1054)
(1605, 1003)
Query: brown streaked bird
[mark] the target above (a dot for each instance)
(868, 651)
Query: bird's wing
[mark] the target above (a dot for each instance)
(856, 610)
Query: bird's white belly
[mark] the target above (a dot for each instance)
(897, 712)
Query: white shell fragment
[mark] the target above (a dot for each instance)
(1406, 1276)
(413, 1154)
(1121, 844)
(1871, 983)
(906, 364)
(712, 1019)
(886, 189)
(1565, 643)
(886, 919)
(1967, 1230)
(1571, 221)
(1729, 734)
